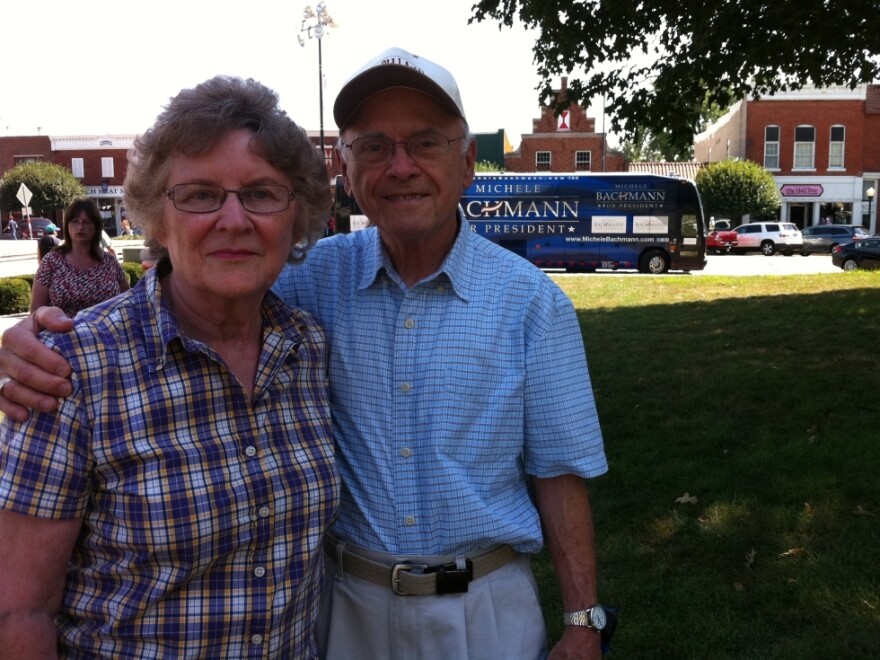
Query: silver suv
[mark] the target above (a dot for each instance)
(769, 238)
(823, 238)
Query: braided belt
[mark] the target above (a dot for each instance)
(417, 579)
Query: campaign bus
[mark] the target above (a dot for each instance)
(583, 222)
(587, 221)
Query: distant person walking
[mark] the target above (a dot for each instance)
(12, 228)
(48, 242)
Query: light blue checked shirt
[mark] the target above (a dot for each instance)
(447, 394)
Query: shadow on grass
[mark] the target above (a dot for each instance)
(767, 411)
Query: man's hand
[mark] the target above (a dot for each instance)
(577, 643)
(39, 375)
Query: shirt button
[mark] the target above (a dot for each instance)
(405, 387)
(406, 452)
(256, 639)
(259, 571)
(410, 521)
(264, 512)
(250, 450)
(409, 324)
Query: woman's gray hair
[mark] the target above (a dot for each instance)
(194, 122)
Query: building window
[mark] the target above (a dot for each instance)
(77, 167)
(771, 147)
(583, 161)
(21, 160)
(542, 161)
(107, 167)
(804, 148)
(835, 148)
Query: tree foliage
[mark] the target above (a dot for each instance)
(657, 63)
(649, 143)
(487, 166)
(734, 188)
(53, 187)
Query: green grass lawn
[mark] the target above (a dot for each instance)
(740, 517)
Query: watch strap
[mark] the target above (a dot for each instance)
(580, 618)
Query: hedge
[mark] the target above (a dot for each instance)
(15, 295)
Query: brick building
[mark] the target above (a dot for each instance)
(821, 145)
(568, 143)
(99, 162)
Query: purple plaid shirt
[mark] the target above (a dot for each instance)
(203, 511)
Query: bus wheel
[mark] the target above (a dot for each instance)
(654, 262)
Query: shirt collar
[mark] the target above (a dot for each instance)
(454, 266)
(161, 327)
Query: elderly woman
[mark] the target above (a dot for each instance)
(175, 504)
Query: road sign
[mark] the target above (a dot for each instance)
(24, 195)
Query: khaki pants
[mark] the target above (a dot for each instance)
(499, 618)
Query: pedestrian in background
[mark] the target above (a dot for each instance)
(12, 228)
(79, 273)
(48, 242)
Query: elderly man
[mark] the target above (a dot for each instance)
(461, 400)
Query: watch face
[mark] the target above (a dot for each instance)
(598, 618)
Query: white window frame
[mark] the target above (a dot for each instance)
(771, 149)
(583, 161)
(107, 167)
(78, 167)
(836, 149)
(543, 161)
(804, 150)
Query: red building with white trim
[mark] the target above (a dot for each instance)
(821, 145)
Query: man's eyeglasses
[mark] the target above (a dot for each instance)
(378, 149)
(80, 221)
(204, 198)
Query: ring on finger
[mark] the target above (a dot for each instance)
(4, 381)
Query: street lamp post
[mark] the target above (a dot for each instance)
(870, 195)
(314, 24)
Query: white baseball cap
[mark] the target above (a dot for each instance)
(397, 68)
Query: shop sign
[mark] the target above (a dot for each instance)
(104, 191)
(801, 190)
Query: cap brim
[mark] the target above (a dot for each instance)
(380, 78)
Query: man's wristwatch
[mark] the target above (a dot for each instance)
(592, 617)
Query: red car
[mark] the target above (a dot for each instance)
(722, 238)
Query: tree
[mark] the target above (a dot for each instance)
(487, 166)
(646, 143)
(657, 63)
(734, 188)
(53, 187)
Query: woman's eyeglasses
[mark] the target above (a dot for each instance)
(203, 198)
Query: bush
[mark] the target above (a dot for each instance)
(134, 271)
(15, 295)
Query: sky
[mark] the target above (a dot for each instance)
(95, 67)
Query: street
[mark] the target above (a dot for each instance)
(20, 258)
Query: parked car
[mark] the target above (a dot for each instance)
(768, 237)
(721, 238)
(864, 253)
(37, 224)
(824, 238)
